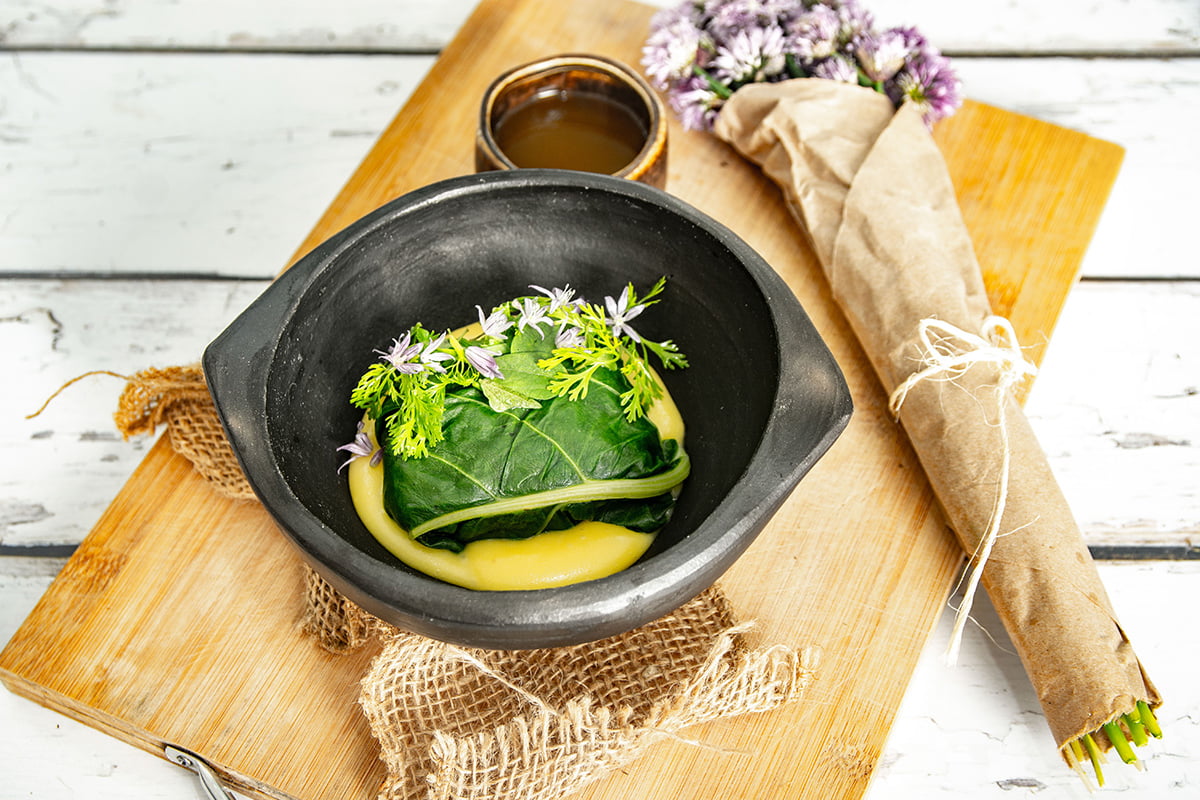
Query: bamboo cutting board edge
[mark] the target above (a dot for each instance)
(884, 622)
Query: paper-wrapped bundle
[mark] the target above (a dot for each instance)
(869, 186)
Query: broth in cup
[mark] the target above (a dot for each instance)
(577, 112)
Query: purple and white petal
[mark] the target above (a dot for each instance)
(533, 314)
(431, 357)
(558, 297)
(359, 448)
(495, 324)
(401, 353)
(484, 361)
(568, 336)
(620, 313)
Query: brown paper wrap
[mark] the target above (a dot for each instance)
(870, 188)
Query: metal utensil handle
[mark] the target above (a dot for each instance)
(213, 790)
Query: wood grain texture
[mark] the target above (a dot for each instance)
(858, 561)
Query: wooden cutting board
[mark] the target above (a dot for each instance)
(176, 621)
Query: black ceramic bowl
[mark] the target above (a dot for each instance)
(762, 400)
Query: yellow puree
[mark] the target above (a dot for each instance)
(588, 551)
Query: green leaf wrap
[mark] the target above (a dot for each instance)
(513, 474)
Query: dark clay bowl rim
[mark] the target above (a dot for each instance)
(237, 366)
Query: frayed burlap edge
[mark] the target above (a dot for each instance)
(337, 624)
(179, 397)
(547, 753)
(456, 723)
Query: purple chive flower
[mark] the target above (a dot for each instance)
(752, 55)
(533, 314)
(913, 39)
(620, 314)
(729, 17)
(854, 20)
(495, 324)
(701, 51)
(401, 355)
(836, 68)
(568, 336)
(484, 361)
(672, 50)
(696, 104)
(930, 83)
(431, 357)
(813, 35)
(360, 448)
(558, 297)
(881, 55)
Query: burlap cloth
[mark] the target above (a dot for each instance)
(469, 724)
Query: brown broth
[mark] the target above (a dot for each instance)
(571, 130)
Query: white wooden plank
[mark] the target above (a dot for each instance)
(62, 469)
(22, 582)
(318, 25)
(52, 757)
(1116, 407)
(210, 164)
(1021, 26)
(192, 163)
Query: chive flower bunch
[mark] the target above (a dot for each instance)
(525, 351)
(701, 51)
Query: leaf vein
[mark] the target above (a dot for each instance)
(539, 432)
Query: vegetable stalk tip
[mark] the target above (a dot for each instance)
(1148, 719)
(1119, 742)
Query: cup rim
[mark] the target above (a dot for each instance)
(656, 134)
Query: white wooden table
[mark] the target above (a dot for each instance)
(160, 160)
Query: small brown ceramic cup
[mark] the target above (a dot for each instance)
(598, 96)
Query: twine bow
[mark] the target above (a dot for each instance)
(949, 352)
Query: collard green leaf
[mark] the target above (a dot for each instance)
(513, 473)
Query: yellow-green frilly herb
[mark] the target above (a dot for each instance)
(406, 387)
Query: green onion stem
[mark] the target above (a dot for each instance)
(1117, 737)
(1148, 719)
(1137, 731)
(1139, 722)
(1095, 755)
(793, 67)
(719, 89)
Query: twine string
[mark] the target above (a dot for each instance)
(949, 352)
(71, 383)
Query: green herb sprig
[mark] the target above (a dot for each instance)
(528, 350)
